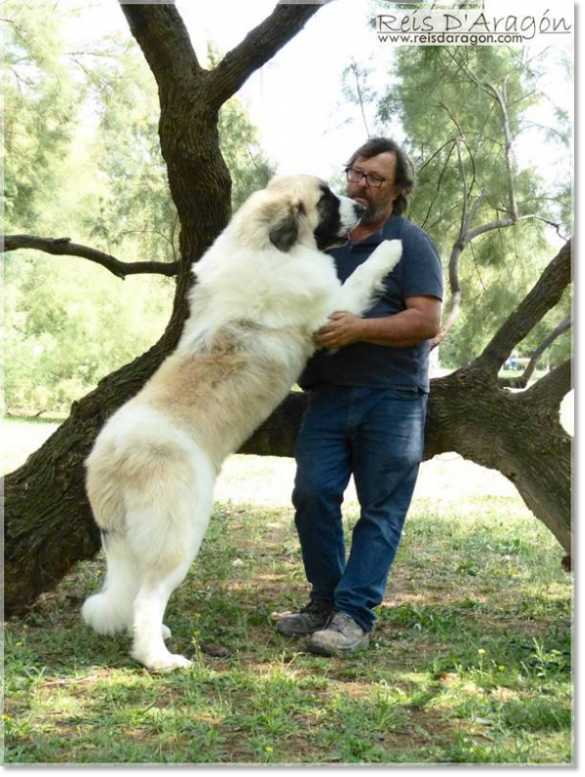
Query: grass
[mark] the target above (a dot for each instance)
(470, 661)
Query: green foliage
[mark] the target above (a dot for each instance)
(131, 212)
(41, 102)
(443, 94)
(84, 160)
(248, 164)
(60, 343)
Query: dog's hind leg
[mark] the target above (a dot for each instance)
(110, 611)
(165, 534)
(149, 606)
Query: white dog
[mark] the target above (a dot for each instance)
(262, 290)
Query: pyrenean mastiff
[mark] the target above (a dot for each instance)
(262, 290)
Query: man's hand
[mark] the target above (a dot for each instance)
(419, 322)
(342, 329)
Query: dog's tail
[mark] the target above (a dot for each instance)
(137, 452)
(105, 486)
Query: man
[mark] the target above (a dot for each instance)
(366, 413)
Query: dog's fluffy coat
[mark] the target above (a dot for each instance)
(262, 290)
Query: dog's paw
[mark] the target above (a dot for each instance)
(166, 632)
(102, 616)
(168, 663)
(162, 662)
(388, 253)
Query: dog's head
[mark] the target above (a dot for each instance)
(297, 210)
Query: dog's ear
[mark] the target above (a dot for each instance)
(284, 232)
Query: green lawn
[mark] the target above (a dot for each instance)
(470, 661)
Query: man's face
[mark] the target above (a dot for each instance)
(379, 202)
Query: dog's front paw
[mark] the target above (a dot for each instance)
(388, 254)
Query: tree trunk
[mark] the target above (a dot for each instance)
(516, 433)
(48, 523)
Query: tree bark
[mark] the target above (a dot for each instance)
(62, 246)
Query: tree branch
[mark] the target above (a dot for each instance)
(510, 222)
(456, 251)
(456, 294)
(439, 182)
(491, 225)
(522, 381)
(552, 388)
(62, 246)
(464, 223)
(543, 297)
(164, 40)
(259, 46)
(353, 68)
(461, 139)
(501, 99)
(434, 154)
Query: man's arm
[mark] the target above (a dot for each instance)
(420, 321)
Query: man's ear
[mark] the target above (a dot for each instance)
(396, 192)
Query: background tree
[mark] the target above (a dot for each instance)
(100, 167)
(48, 522)
(40, 107)
(465, 112)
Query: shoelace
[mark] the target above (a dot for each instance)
(341, 620)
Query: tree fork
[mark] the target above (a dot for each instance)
(48, 523)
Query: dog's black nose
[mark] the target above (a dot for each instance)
(359, 209)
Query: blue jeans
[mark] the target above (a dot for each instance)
(378, 436)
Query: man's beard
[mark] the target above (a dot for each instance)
(373, 213)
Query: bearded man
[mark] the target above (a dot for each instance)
(366, 413)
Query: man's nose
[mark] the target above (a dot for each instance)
(360, 186)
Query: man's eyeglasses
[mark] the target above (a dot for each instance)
(355, 176)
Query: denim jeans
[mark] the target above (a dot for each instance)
(376, 434)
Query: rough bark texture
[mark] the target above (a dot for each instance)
(518, 434)
(48, 524)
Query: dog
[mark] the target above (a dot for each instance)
(262, 290)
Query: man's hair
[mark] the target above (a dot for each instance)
(404, 176)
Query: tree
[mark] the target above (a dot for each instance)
(108, 183)
(464, 112)
(40, 103)
(48, 521)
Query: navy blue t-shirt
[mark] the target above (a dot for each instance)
(363, 364)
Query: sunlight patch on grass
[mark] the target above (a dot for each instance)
(470, 661)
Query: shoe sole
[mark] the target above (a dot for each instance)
(321, 650)
(299, 633)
